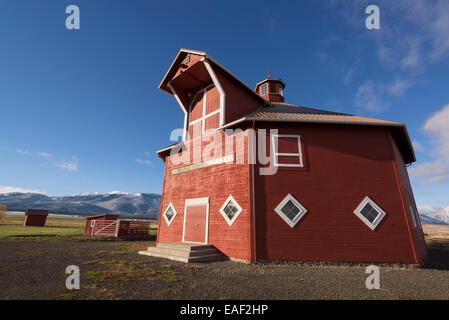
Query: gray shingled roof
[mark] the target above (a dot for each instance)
(289, 112)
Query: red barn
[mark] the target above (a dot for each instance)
(35, 217)
(285, 182)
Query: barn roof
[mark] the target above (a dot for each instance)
(178, 60)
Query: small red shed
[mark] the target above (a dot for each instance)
(294, 183)
(35, 217)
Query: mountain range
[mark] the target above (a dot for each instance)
(434, 214)
(138, 205)
(131, 205)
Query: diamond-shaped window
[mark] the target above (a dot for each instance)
(169, 214)
(290, 210)
(370, 213)
(230, 210)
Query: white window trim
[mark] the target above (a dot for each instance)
(196, 202)
(173, 218)
(204, 114)
(293, 222)
(412, 214)
(264, 85)
(379, 218)
(276, 154)
(217, 84)
(235, 203)
(184, 133)
(416, 218)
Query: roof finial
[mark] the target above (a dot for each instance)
(268, 74)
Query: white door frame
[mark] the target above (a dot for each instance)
(196, 202)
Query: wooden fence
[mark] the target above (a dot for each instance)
(121, 228)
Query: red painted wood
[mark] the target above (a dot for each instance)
(106, 217)
(35, 220)
(195, 226)
(343, 164)
(216, 182)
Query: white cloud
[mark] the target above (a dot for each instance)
(8, 189)
(369, 97)
(437, 171)
(23, 151)
(44, 154)
(144, 161)
(422, 33)
(438, 126)
(375, 97)
(417, 145)
(70, 164)
(398, 87)
(430, 172)
(348, 76)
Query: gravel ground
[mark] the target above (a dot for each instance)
(113, 270)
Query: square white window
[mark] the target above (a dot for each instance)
(286, 150)
(370, 213)
(230, 210)
(169, 214)
(290, 210)
(264, 89)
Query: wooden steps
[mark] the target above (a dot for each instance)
(185, 252)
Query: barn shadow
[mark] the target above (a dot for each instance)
(438, 255)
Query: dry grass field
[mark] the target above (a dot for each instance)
(33, 263)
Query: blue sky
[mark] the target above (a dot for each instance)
(81, 111)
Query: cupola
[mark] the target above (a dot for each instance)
(271, 89)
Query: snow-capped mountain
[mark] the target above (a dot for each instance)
(126, 204)
(436, 213)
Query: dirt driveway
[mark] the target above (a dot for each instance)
(113, 270)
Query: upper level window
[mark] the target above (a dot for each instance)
(287, 150)
(370, 213)
(264, 89)
(281, 90)
(204, 111)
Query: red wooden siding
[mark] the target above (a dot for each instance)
(216, 182)
(196, 109)
(213, 100)
(410, 205)
(133, 228)
(35, 220)
(238, 101)
(342, 165)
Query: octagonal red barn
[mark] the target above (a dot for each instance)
(334, 187)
